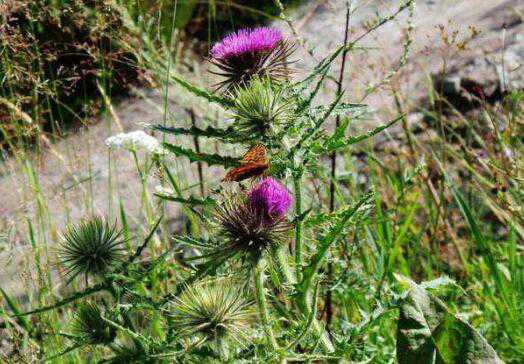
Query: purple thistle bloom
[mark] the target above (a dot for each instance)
(246, 41)
(260, 52)
(270, 198)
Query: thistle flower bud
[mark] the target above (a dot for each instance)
(249, 227)
(260, 109)
(92, 247)
(90, 327)
(214, 310)
(251, 52)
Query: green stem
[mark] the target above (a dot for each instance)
(305, 304)
(284, 266)
(259, 277)
(298, 224)
(304, 307)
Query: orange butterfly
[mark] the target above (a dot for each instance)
(254, 163)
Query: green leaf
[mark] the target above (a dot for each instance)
(22, 321)
(338, 141)
(428, 333)
(326, 241)
(76, 296)
(192, 201)
(200, 92)
(227, 134)
(210, 159)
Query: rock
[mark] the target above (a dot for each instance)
(450, 86)
(415, 121)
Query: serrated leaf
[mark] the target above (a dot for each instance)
(200, 92)
(428, 332)
(338, 141)
(192, 201)
(210, 159)
(227, 134)
(329, 238)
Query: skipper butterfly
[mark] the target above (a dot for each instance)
(253, 164)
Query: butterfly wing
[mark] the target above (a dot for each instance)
(253, 163)
(256, 154)
(245, 171)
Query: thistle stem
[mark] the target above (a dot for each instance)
(259, 278)
(298, 225)
(284, 265)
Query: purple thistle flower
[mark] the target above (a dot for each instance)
(246, 41)
(270, 198)
(249, 53)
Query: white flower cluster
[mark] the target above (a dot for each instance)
(135, 140)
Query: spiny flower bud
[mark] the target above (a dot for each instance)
(90, 327)
(92, 247)
(261, 109)
(214, 310)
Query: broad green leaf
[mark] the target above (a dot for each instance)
(428, 332)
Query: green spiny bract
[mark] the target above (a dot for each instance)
(90, 327)
(261, 110)
(213, 310)
(92, 247)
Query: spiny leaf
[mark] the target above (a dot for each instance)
(78, 295)
(192, 201)
(200, 92)
(324, 243)
(210, 159)
(141, 248)
(310, 132)
(338, 141)
(227, 134)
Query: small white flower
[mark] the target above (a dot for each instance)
(135, 140)
(164, 191)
